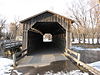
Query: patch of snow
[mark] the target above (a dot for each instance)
(96, 65)
(81, 48)
(77, 48)
(75, 41)
(18, 73)
(74, 72)
(47, 40)
(86, 41)
(5, 66)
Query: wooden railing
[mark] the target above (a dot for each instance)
(76, 54)
(89, 68)
(18, 56)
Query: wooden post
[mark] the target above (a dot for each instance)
(25, 37)
(66, 36)
(23, 42)
(2, 49)
(69, 34)
(14, 60)
(78, 58)
(66, 39)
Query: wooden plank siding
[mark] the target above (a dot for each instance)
(47, 17)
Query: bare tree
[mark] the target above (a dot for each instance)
(95, 22)
(79, 14)
(94, 2)
(12, 30)
(87, 21)
(2, 25)
(15, 28)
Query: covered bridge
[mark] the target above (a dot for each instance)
(46, 25)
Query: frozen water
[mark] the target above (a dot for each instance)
(81, 48)
(96, 65)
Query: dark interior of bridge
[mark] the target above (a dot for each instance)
(35, 39)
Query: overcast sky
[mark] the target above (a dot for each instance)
(26, 8)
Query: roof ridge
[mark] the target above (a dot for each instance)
(42, 13)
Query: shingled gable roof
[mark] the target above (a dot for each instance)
(44, 13)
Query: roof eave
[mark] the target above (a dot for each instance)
(42, 13)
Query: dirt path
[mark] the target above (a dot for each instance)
(55, 67)
(41, 59)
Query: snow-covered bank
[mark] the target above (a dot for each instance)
(5, 66)
(74, 72)
(86, 41)
(96, 65)
(81, 48)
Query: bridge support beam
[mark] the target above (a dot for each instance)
(68, 35)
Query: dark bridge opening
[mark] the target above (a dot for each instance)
(56, 37)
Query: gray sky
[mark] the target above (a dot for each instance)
(26, 8)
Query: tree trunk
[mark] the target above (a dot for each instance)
(84, 37)
(93, 39)
(88, 39)
(73, 37)
(97, 38)
(79, 39)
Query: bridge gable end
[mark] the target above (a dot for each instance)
(46, 16)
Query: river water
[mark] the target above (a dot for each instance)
(89, 56)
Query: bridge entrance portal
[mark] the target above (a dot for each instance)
(43, 31)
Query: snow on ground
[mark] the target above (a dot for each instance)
(5, 66)
(86, 41)
(74, 72)
(81, 48)
(96, 65)
(5, 69)
(47, 40)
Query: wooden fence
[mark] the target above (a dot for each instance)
(18, 56)
(89, 68)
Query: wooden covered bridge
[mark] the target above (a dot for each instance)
(55, 28)
(47, 22)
